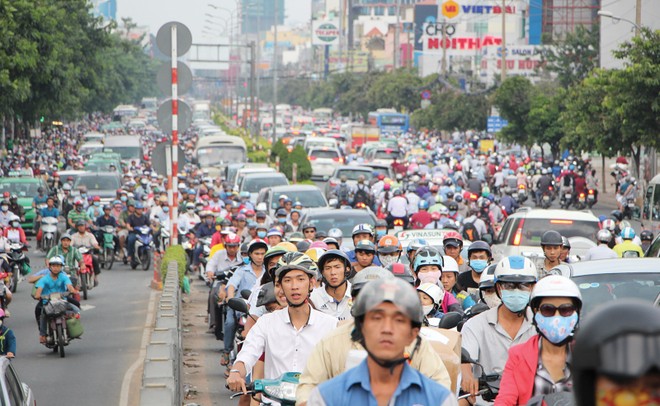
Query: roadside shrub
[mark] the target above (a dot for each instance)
(178, 254)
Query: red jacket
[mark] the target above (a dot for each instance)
(517, 382)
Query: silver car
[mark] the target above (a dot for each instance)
(14, 392)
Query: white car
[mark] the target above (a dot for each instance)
(522, 231)
(324, 160)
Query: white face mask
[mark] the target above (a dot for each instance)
(427, 309)
(492, 300)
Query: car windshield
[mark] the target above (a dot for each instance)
(126, 153)
(386, 154)
(210, 156)
(88, 150)
(308, 198)
(603, 288)
(352, 174)
(98, 182)
(254, 184)
(340, 219)
(20, 189)
(322, 153)
(533, 229)
(101, 166)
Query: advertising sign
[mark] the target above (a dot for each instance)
(325, 32)
(424, 14)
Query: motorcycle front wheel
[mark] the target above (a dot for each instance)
(83, 285)
(60, 340)
(108, 257)
(14, 280)
(145, 259)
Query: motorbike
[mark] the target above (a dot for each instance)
(144, 246)
(591, 198)
(203, 260)
(108, 247)
(281, 390)
(581, 201)
(239, 305)
(59, 329)
(220, 278)
(566, 200)
(164, 238)
(489, 384)
(17, 262)
(49, 233)
(629, 208)
(4, 280)
(86, 273)
(521, 196)
(546, 198)
(397, 225)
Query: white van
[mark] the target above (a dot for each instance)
(89, 148)
(651, 208)
(127, 146)
(215, 152)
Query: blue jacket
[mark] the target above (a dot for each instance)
(7, 341)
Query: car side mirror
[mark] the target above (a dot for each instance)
(333, 202)
(325, 178)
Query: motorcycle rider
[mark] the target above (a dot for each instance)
(509, 204)
(452, 243)
(479, 257)
(360, 232)
(39, 199)
(14, 232)
(488, 336)
(543, 185)
(365, 254)
(628, 247)
(55, 282)
(449, 279)
(107, 220)
(602, 250)
(72, 257)
(49, 211)
(427, 268)
(84, 238)
(389, 250)
(646, 237)
(289, 334)
(380, 229)
(135, 220)
(388, 316)
(245, 277)
(397, 208)
(420, 219)
(7, 338)
(188, 220)
(16, 208)
(204, 229)
(551, 243)
(333, 297)
(78, 214)
(95, 210)
(5, 214)
(122, 233)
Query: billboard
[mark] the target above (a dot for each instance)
(522, 60)
(424, 13)
(325, 32)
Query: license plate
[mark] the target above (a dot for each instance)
(582, 200)
(591, 197)
(568, 196)
(546, 198)
(631, 204)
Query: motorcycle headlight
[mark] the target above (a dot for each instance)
(285, 391)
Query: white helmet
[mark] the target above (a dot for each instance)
(516, 268)
(335, 233)
(450, 264)
(604, 235)
(432, 290)
(56, 260)
(609, 224)
(555, 286)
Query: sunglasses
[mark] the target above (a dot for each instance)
(565, 310)
(516, 285)
(309, 231)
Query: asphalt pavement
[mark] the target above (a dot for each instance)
(94, 371)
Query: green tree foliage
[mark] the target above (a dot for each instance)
(573, 58)
(287, 159)
(543, 121)
(452, 111)
(57, 61)
(514, 101)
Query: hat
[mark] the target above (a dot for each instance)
(261, 215)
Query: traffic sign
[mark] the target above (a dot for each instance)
(164, 77)
(426, 94)
(159, 157)
(495, 124)
(164, 115)
(183, 38)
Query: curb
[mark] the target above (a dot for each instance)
(161, 378)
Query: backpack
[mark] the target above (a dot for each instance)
(568, 180)
(470, 232)
(342, 194)
(361, 196)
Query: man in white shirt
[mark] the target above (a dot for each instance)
(602, 250)
(397, 208)
(334, 296)
(286, 336)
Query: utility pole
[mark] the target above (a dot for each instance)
(503, 70)
(444, 49)
(638, 16)
(253, 74)
(274, 68)
(341, 41)
(396, 35)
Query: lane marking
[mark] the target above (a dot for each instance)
(86, 307)
(128, 376)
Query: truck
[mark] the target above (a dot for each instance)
(362, 133)
(202, 110)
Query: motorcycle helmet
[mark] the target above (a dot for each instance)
(366, 275)
(56, 260)
(427, 256)
(363, 228)
(433, 291)
(295, 261)
(516, 268)
(257, 243)
(394, 291)
(453, 238)
(328, 241)
(646, 235)
(416, 244)
(266, 294)
(616, 215)
(555, 286)
(565, 243)
(450, 265)
(628, 233)
(604, 236)
(479, 246)
(609, 224)
(365, 245)
(288, 246)
(551, 237)
(423, 205)
(335, 233)
(402, 272)
(389, 244)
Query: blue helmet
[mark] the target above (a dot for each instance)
(423, 205)
(628, 233)
(416, 244)
(427, 256)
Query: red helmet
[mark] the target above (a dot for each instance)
(452, 237)
(249, 213)
(78, 202)
(96, 199)
(56, 175)
(381, 176)
(435, 216)
(458, 167)
(232, 239)
(6, 195)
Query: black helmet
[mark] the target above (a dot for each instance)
(452, 206)
(565, 243)
(244, 247)
(266, 294)
(615, 341)
(450, 195)
(402, 272)
(303, 245)
(646, 235)
(551, 237)
(330, 255)
(479, 246)
(616, 215)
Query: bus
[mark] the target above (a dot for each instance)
(389, 121)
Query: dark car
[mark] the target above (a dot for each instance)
(352, 173)
(343, 219)
(102, 184)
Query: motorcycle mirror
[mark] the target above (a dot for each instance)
(478, 309)
(450, 320)
(245, 293)
(465, 357)
(237, 304)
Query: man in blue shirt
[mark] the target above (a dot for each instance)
(49, 211)
(388, 316)
(55, 282)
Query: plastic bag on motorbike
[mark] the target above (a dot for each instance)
(55, 308)
(25, 269)
(74, 327)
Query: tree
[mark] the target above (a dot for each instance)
(543, 121)
(398, 89)
(513, 99)
(575, 57)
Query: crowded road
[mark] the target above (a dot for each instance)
(98, 368)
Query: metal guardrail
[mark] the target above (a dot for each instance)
(161, 377)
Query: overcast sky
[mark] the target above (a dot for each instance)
(155, 13)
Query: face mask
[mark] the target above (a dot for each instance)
(452, 213)
(15, 224)
(166, 209)
(478, 265)
(556, 329)
(209, 222)
(246, 260)
(190, 211)
(97, 204)
(124, 198)
(5, 208)
(427, 309)
(83, 194)
(380, 234)
(492, 300)
(430, 277)
(281, 220)
(515, 300)
(261, 234)
(387, 260)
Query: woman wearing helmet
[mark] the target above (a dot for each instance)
(286, 336)
(615, 358)
(551, 243)
(333, 297)
(627, 248)
(428, 267)
(365, 255)
(540, 365)
(389, 250)
(412, 248)
(479, 257)
(431, 296)
(488, 336)
(449, 277)
(388, 316)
